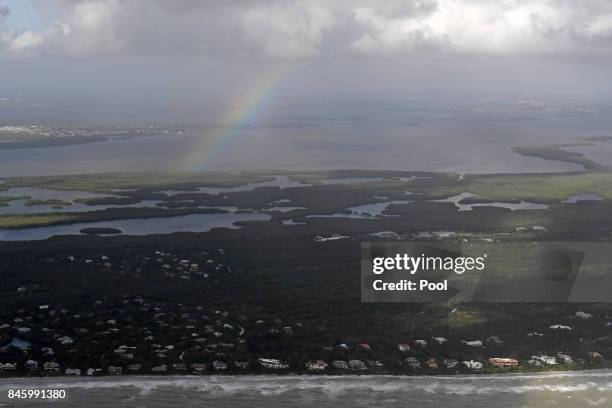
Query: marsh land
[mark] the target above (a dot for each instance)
(116, 295)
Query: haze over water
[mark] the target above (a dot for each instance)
(473, 138)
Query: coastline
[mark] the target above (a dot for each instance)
(485, 373)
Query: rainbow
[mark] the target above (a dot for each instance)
(241, 113)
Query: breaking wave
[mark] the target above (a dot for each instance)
(337, 386)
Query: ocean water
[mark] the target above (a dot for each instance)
(559, 390)
(467, 135)
(442, 148)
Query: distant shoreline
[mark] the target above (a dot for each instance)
(586, 372)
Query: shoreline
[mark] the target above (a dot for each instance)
(595, 372)
(486, 373)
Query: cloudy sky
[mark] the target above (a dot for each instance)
(305, 29)
(190, 52)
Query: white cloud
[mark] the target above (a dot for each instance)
(487, 27)
(288, 29)
(281, 30)
(25, 41)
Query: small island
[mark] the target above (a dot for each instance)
(100, 231)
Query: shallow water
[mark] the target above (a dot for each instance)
(20, 207)
(351, 180)
(522, 205)
(562, 390)
(372, 210)
(279, 181)
(575, 198)
(139, 226)
(35, 193)
(38, 193)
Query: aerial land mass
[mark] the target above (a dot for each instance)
(209, 302)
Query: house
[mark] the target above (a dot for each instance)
(432, 363)
(93, 371)
(339, 365)
(494, 340)
(73, 371)
(364, 347)
(545, 360)
(403, 347)
(272, 363)
(51, 366)
(31, 365)
(534, 363)
(412, 362)
(450, 363)
(219, 365)
(65, 340)
(115, 370)
(375, 364)
(357, 365)
(503, 362)
(316, 365)
(48, 351)
(559, 327)
(595, 357)
(565, 358)
(8, 366)
(242, 365)
(473, 365)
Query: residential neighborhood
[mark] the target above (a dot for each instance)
(140, 334)
(143, 337)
